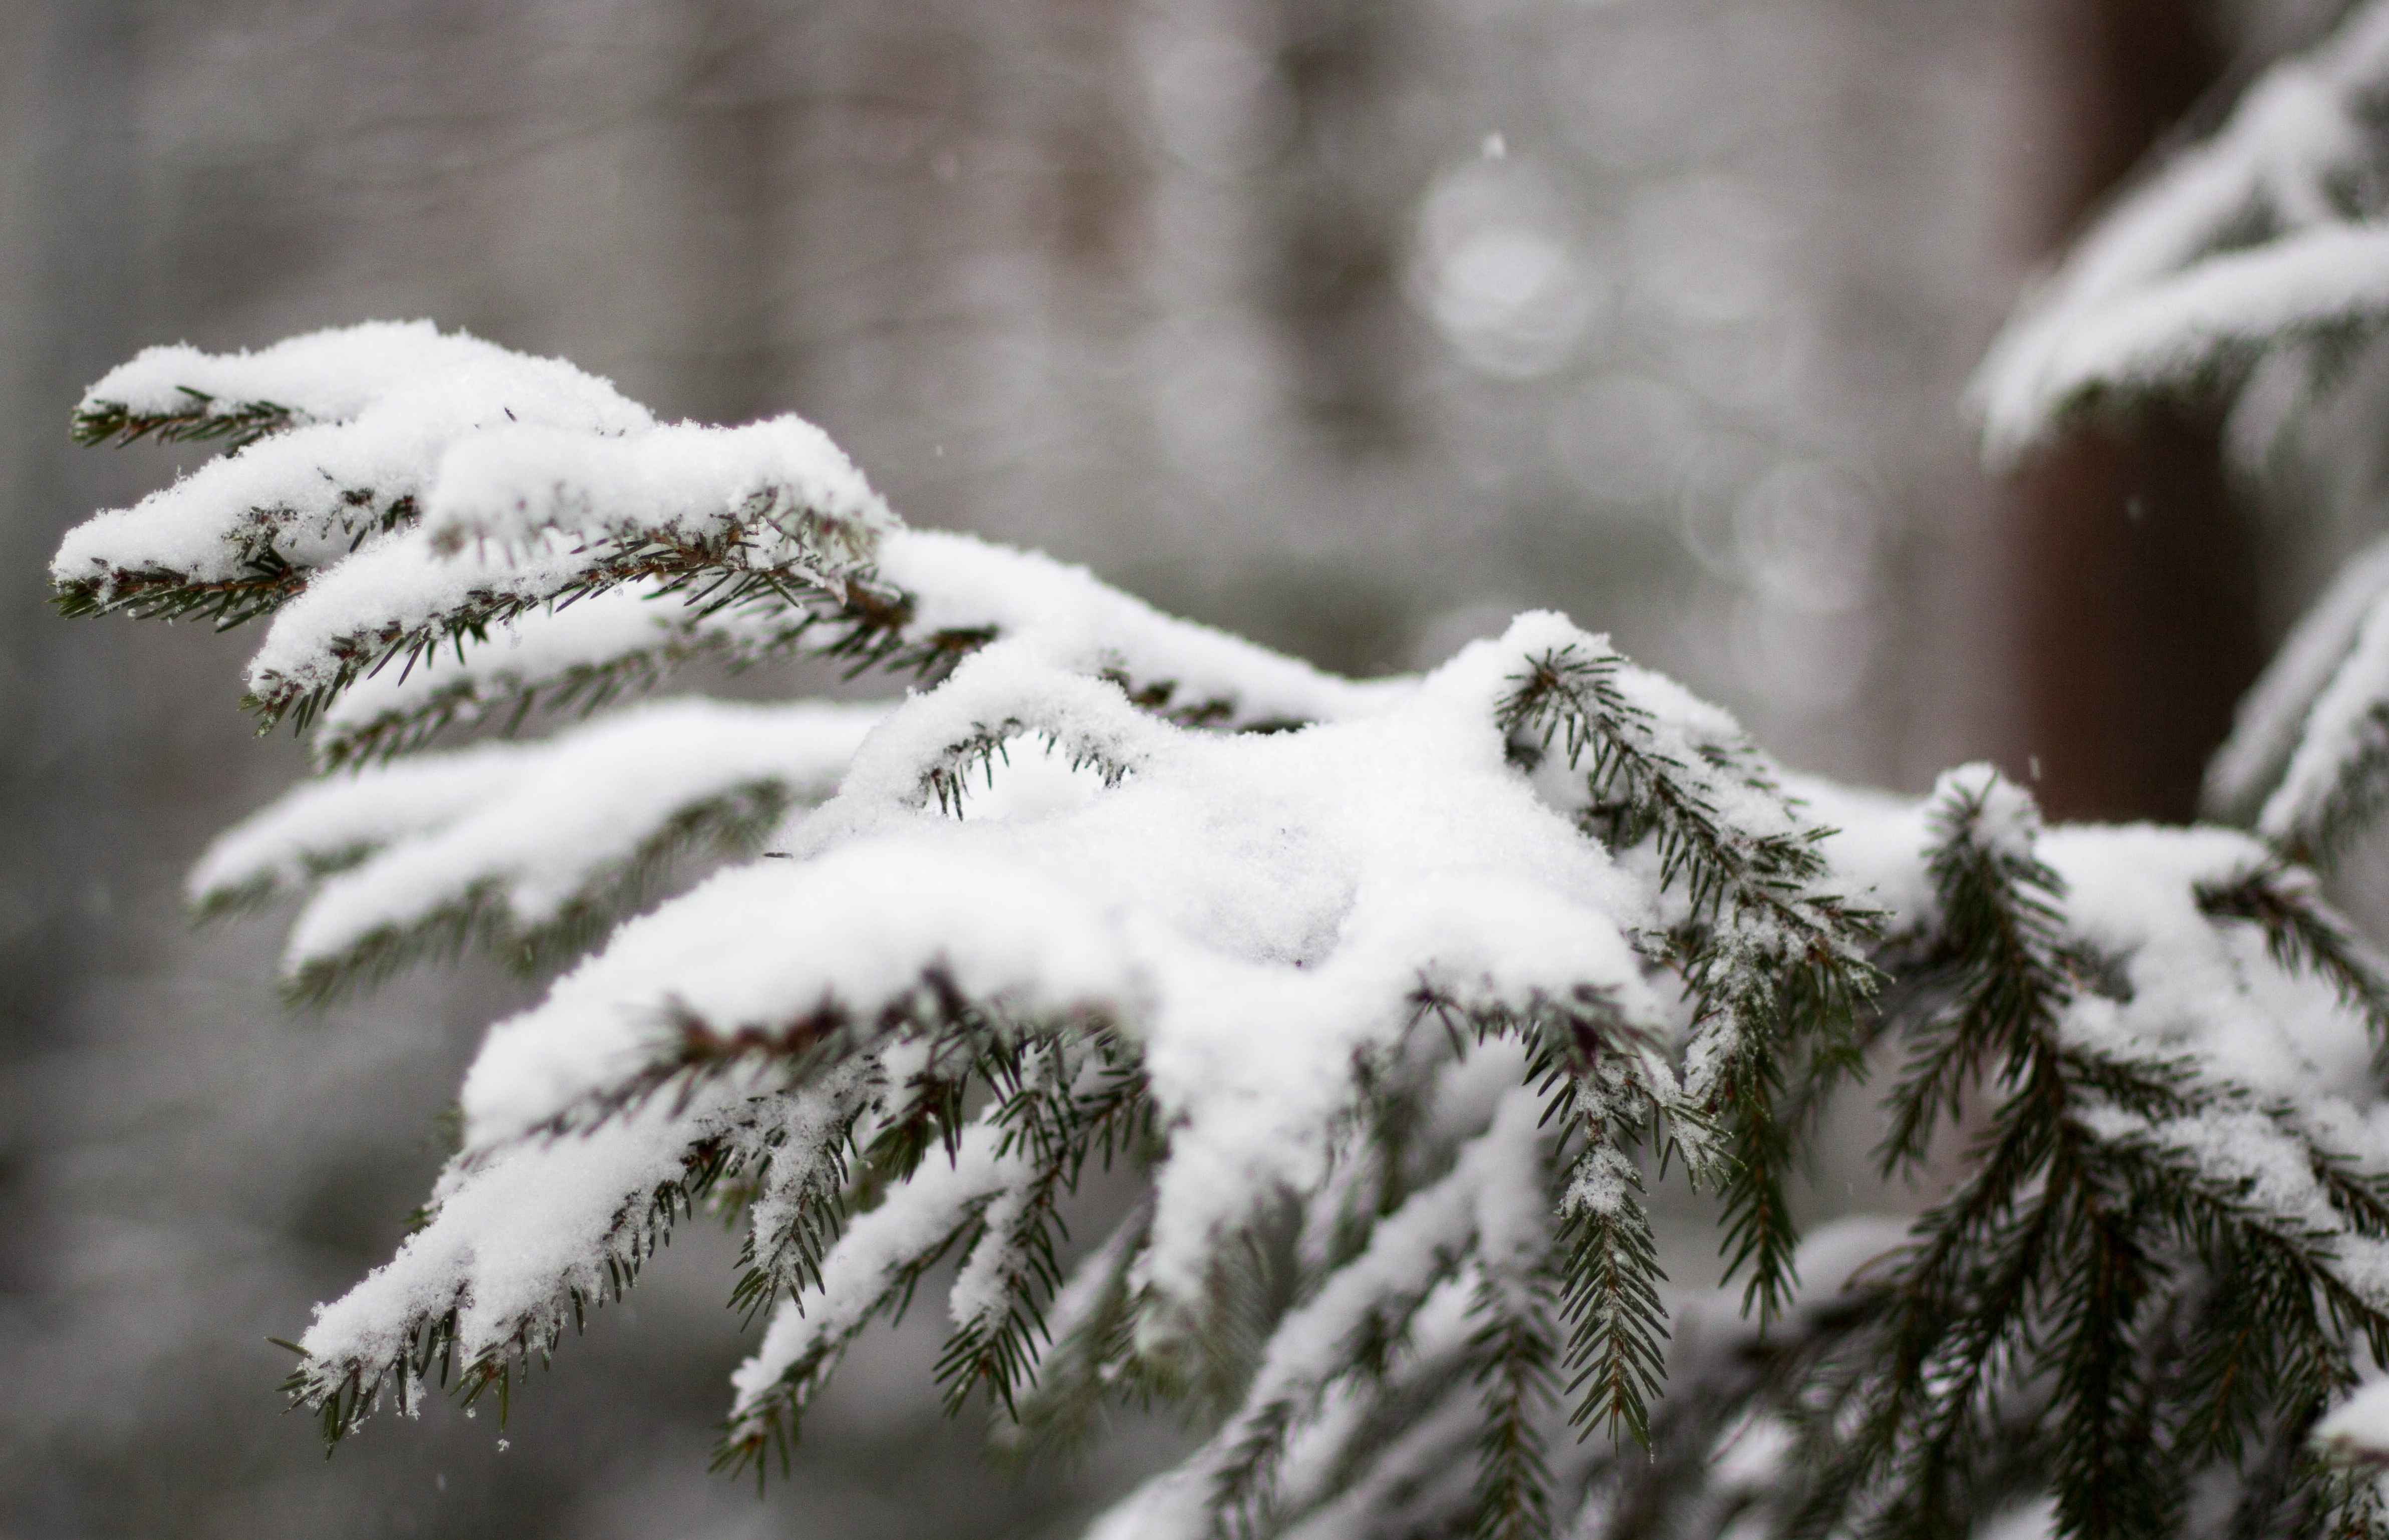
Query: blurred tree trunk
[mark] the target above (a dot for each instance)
(738, 120)
(1337, 222)
(2135, 591)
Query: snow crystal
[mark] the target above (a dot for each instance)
(1604, 1184)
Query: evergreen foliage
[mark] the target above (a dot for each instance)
(1391, 1000)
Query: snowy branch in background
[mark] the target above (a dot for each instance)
(2251, 268)
(2259, 238)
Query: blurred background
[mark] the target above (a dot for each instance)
(1354, 324)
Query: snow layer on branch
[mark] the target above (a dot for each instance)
(685, 480)
(398, 586)
(329, 376)
(313, 492)
(2171, 330)
(1074, 620)
(515, 1234)
(446, 485)
(1259, 909)
(540, 650)
(1001, 691)
(2270, 1169)
(516, 535)
(915, 1218)
(2156, 294)
(761, 945)
(2006, 822)
(525, 829)
(2191, 983)
(2356, 1430)
(2184, 981)
(2347, 731)
(1496, 1187)
(2275, 714)
(955, 586)
(1874, 844)
(326, 825)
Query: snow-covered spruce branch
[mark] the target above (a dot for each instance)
(580, 657)
(196, 418)
(531, 851)
(1581, 1011)
(398, 601)
(2236, 247)
(934, 598)
(1005, 1220)
(529, 1231)
(1415, 1000)
(443, 486)
(2152, 1264)
(963, 594)
(2272, 722)
(2334, 780)
(1774, 959)
(1349, 1329)
(444, 531)
(1060, 1106)
(2304, 934)
(1053, 1105)
(513, 1248)
(2144, 1126)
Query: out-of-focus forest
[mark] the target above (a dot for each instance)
(1354, 324)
